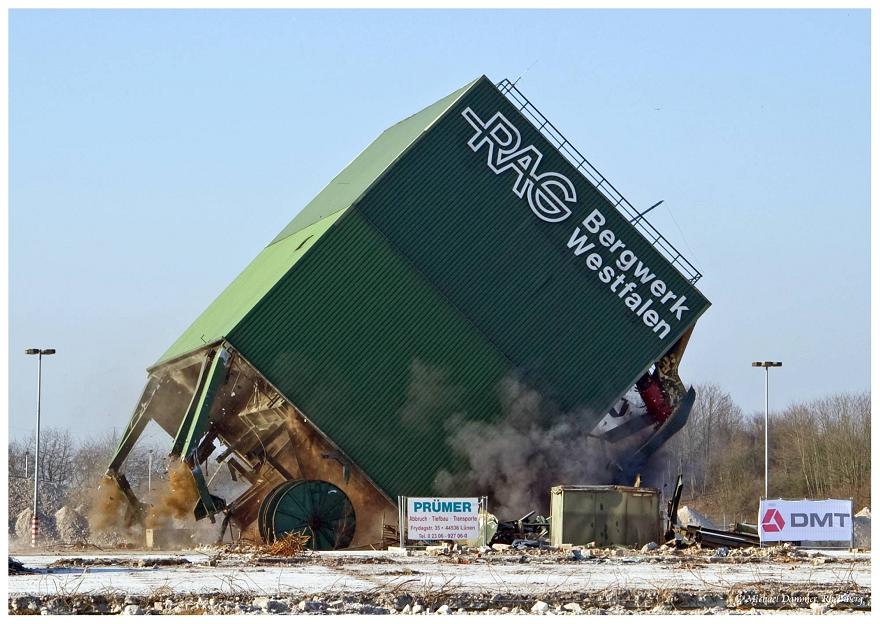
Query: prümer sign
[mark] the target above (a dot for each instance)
(431, 519)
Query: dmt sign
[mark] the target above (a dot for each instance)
(805, 521)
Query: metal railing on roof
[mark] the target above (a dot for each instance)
(545, 127)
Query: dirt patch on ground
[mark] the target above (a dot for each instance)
(15, 567)
(115, 562)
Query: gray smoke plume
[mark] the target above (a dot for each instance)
(430, 396)
(516, 459)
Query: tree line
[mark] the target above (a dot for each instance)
(71, 469)
(818, 449)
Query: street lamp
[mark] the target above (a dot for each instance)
(766, 366)
(35, 524)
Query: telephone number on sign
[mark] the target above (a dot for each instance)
(439, 536)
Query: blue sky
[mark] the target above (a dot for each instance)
(153, 154)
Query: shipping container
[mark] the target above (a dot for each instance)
(606, 515)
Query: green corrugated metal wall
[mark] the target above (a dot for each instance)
(341, 336)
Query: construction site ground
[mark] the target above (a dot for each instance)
(565, 581)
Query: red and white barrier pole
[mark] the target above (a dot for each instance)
(35, 530)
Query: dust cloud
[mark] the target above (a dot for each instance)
(111, 519)
(516, 459)
(113, 522)
(174, 499)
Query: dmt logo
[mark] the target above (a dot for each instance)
(772, 521)
(815, 520)
(548, 192)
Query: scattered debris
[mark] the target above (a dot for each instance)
(289, 545)
(686, 526)
(269, 605)
(526, 530)
(132, 610)
(110, 561)
(384, 585)
(716, 537)
(540, 607)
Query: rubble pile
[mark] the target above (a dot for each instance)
(72, 527)
(692, 517)
(610, 601)
(862, 529)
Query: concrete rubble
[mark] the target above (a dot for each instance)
(692, 517)
(71, 526)
(862, 529)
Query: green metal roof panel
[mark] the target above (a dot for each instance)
(363, 171)
(373, 355)
(247, 289)
(512, 273)
(308, 225)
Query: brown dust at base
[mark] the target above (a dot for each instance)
(174, 500)
(112, 521)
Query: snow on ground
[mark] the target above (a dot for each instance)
(357, 572)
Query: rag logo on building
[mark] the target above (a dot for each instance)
(604, 247)
(805, 520)
(548, 193)
(772, 521)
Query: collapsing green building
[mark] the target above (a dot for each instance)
(467, 243)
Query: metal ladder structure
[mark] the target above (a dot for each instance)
(580, 162)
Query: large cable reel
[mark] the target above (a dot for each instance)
(317, 509)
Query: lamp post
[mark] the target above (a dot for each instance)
(766, 366)
(150, 472)
(35, 524)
